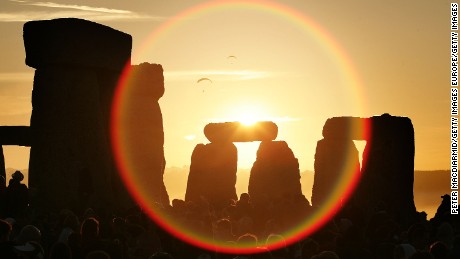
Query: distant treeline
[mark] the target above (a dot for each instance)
(425, 182)
(432, 181)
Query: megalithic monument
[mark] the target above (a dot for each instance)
(387, 173)
(78, 64)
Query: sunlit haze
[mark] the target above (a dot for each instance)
(296, 63)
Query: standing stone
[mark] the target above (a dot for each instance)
(334, 159)
(275, 173)
(141, 124)
(213, 174)
(388, 168)
(77, 64)
(274, 187)
(2, 164)
(387, 173)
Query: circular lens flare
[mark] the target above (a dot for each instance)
(202, 233)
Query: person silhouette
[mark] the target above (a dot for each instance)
(17, 196)
(6, 246)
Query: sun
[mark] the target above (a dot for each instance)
(247, 114)
(248, 120)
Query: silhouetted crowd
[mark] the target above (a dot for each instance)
(353, 233)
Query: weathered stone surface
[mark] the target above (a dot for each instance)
(2, 164)
(78, 66)
(238, 132)
(142, 127)
(15, 135)
(388, 167)
(387, 173)
(70, 148)
(356, 128)
(335, 159)
(213, 174)
(346, 128)
(75, 42)
(147, 82)
(275, 173)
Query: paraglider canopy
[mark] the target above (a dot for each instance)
(204, 79)
(231, 59)
(203, 83)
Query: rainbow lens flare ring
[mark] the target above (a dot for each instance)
(343, 186)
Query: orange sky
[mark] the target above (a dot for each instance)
(297, 63)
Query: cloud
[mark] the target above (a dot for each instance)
(17, 77)
(190, 137)
(262, 118)
(14, 105)
(31, 15)
(68, 10)
(285, 119)
(223, 75)
(77, 7)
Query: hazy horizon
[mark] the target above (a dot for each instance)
(428, 189)
(296, 63)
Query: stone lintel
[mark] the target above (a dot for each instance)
(75, 42)
(15, 135)
(238, 132)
